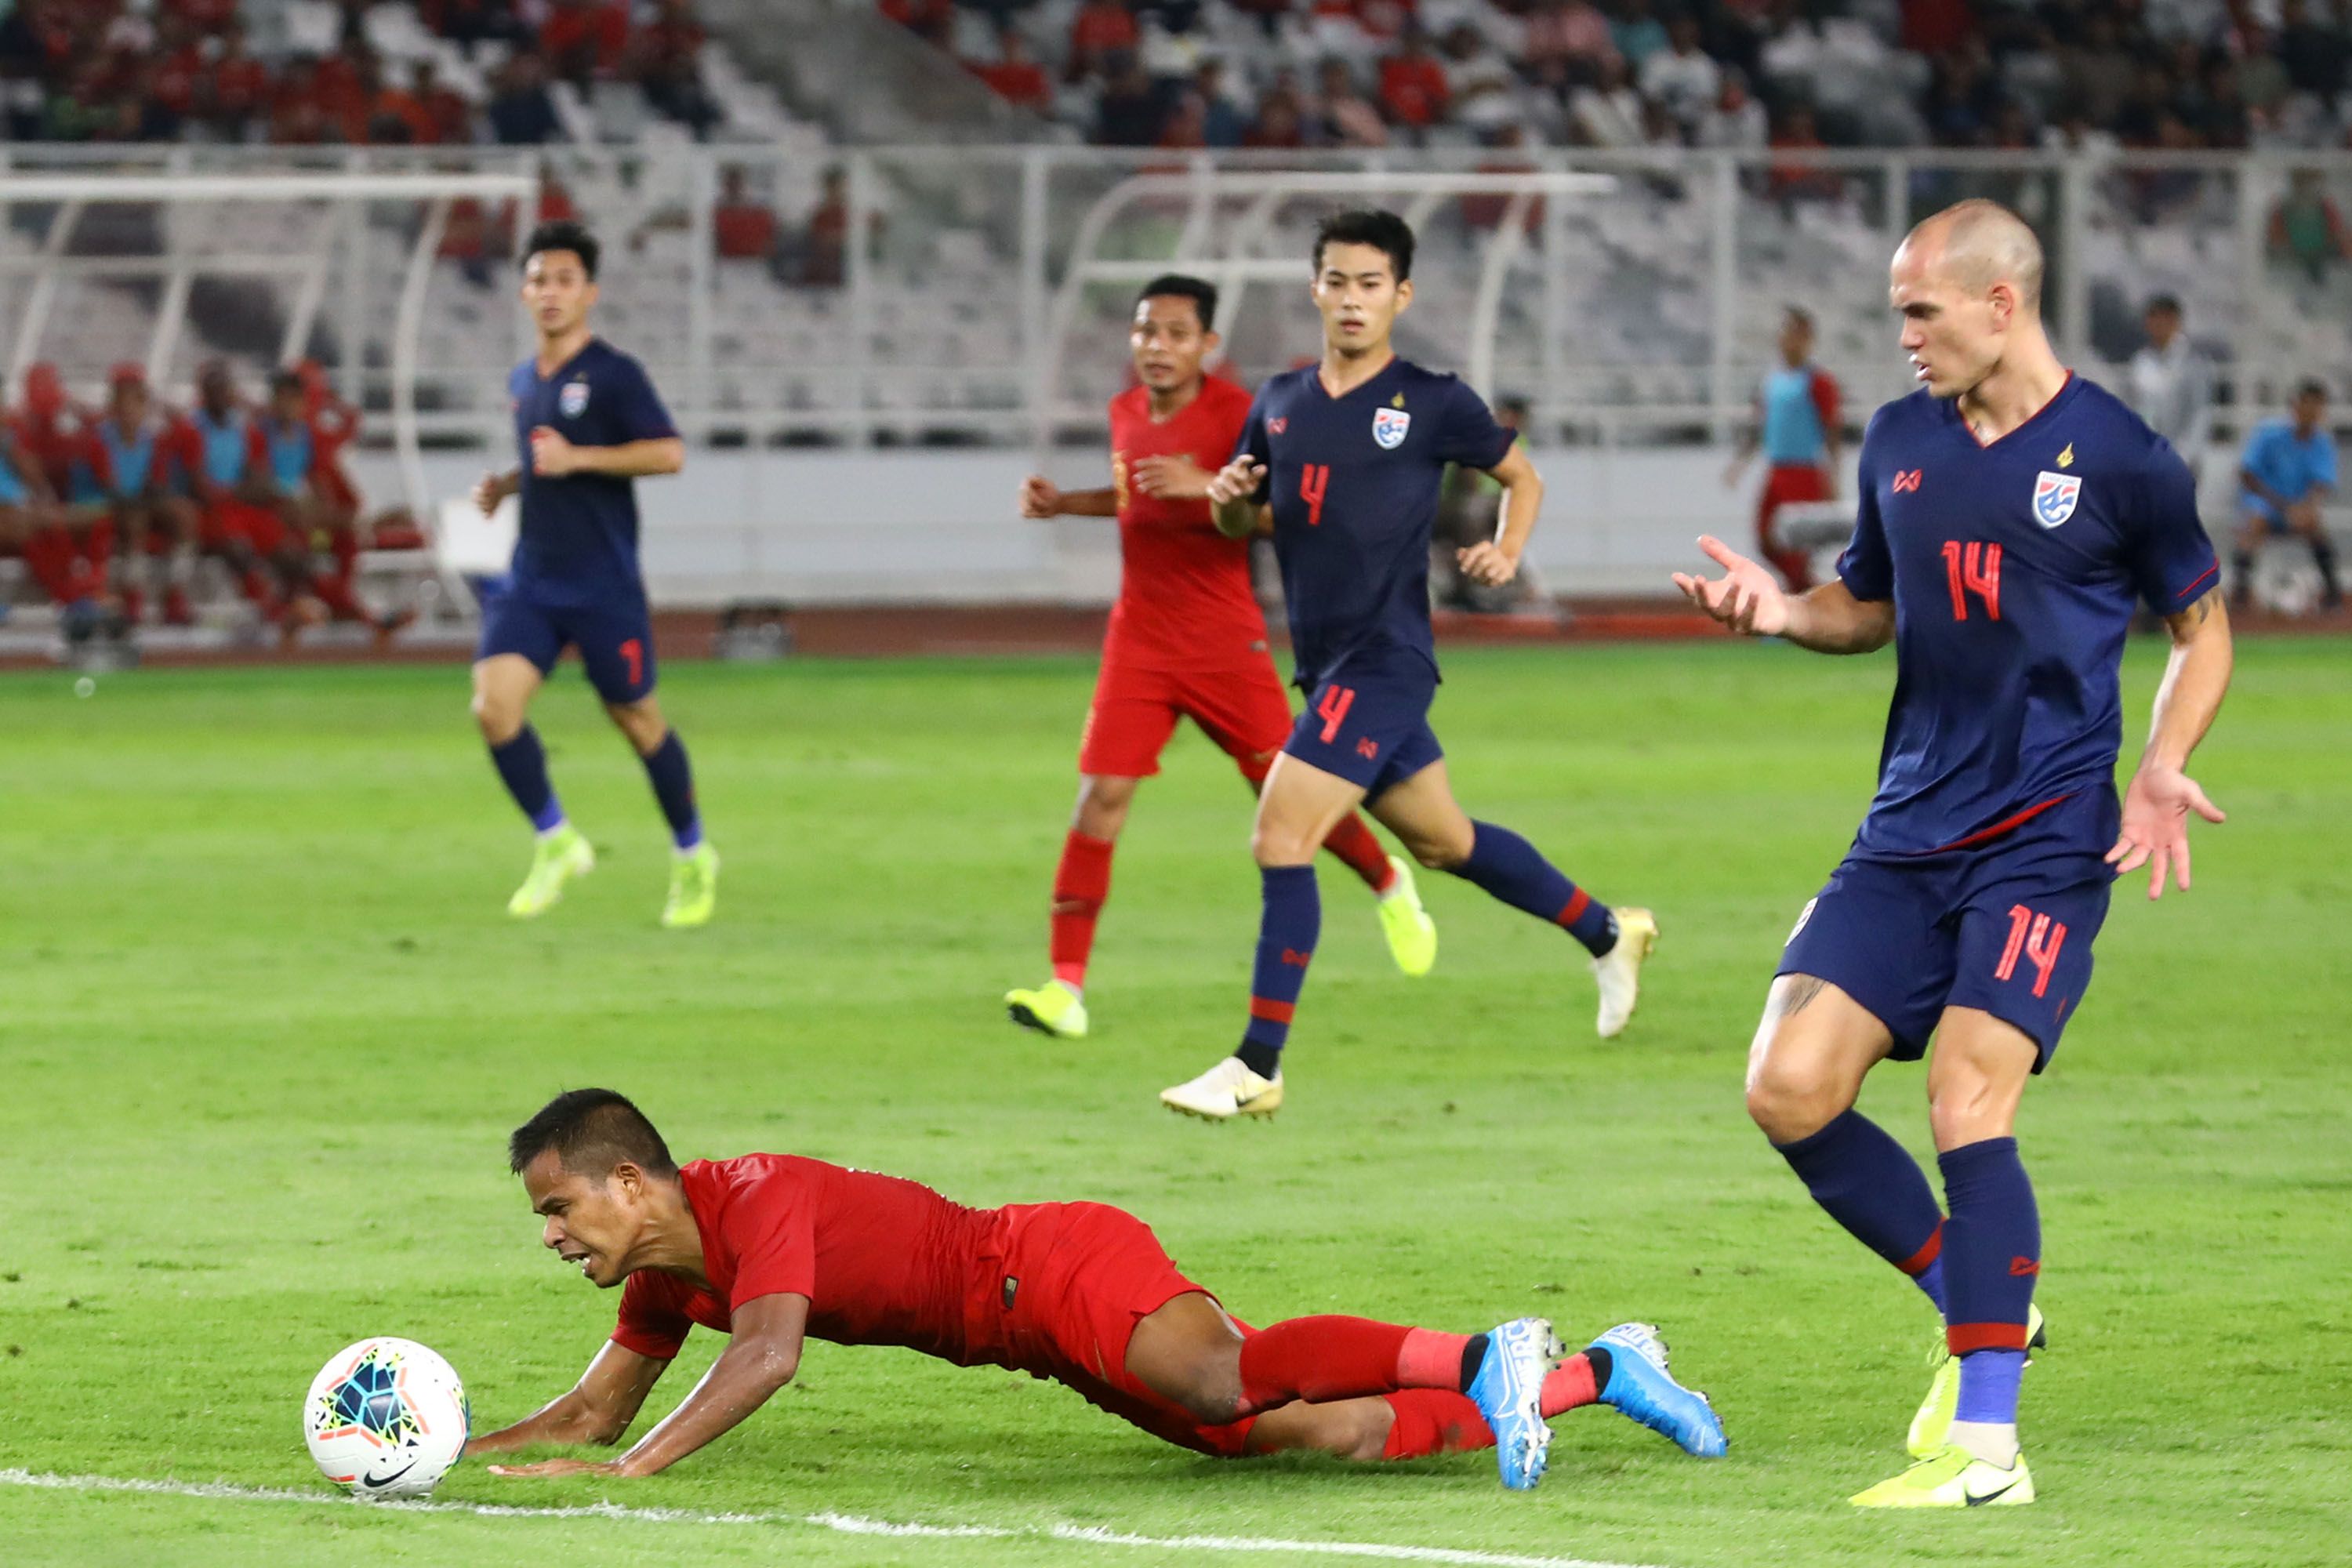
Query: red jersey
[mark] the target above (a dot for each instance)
(1184, 596)
(883, 1260)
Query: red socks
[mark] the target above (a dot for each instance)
(1353, 843)
(1326, 1358)
(1081, 883)
(1431, 1421)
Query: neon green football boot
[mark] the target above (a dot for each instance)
(1052, 1009)
(1951, 1477)
(1931, 1428)
(693, 889)
(562, 855)
(1413, 935)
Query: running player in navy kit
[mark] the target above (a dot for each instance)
(588, 424)
(2010, 515)
(1347, 455)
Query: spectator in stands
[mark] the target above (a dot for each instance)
(1480, 86)
(2307, 233)
(521, 112)
(472, 22)
(1637, 33)
(434, 113)
(1013, 76)
(1130, 112)
(1281, 119)
(1103, 32)
(585, 38)
(933, 21)
(677, 91)
(825, 252)
(1222, 121)
(741, 229)
(233, 88)
(1412, 83)
(1797, 179)
(1568, 32)
(673, 32)
(1610, 112)
(2316, 55)
(2172, 385)
(1343, 116)
(1681, 77)
(2286, 474)
(1735, 120)
(1186, 124)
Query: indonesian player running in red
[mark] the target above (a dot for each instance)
(1186, 640)
(774, 1248)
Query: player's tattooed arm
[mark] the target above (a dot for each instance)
(2156, 803)
(597, 1409)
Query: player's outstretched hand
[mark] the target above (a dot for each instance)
(551, 455)
(1746, 597)
(1486, 563)
(2155, 825)
(561, 1468)
(1040, 497)
(1174, 477)
(1236, 480)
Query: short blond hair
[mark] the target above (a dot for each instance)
(1984, 243)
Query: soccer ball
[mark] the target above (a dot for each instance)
(386, 1418)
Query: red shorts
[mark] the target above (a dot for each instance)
(1072, 1281)
(1783, 486)
(1245, 710)
(230, 519)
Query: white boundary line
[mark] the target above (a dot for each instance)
(846, 1525)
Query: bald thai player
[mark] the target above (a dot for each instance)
(772, 1249)
(2011, 514)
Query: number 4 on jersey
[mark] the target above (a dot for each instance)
(1314, 480)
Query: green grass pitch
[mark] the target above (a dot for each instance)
(264, 1024)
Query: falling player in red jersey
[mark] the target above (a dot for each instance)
(774, 1248)
(1186, 641)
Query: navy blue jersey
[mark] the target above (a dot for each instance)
(1353, 480)
(2013, 568)
(578, 544)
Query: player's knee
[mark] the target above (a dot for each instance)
(500, 716)
(1788, 1104)
(1280, 844)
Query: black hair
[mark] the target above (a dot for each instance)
(592, 1130)
(284, 381)
(1383, 231)
(2164, 303)
(1177, 286)
(1798, 314)
(2311, 387)
(564, 233)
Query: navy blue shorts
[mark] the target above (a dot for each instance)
(2006, 928)
(615, 640)
(1369, 722)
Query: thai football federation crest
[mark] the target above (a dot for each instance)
(2054, 495)
(1389, 425)
(572, 399)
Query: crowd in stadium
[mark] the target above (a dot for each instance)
(162, 70)
(1645, 73)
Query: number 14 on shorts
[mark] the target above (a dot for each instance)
(2038, 939)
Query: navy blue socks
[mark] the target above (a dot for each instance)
(522, 766)
(1288, 927)
(1872, 1185)
(1510, 869)
(673, 781)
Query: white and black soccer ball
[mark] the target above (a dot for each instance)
(386, 1418)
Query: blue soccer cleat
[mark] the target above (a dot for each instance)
(1508, 1391)
(1641, 1389)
